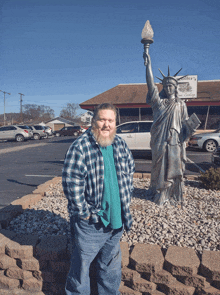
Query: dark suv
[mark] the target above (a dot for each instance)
(68, 131)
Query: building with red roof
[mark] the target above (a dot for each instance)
(130, 99)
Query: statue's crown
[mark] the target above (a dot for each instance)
(170, 79)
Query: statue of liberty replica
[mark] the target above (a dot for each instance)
(169, 132)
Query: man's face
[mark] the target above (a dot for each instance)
(105, 127)
(169, 89)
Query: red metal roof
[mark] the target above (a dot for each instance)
(134, 95)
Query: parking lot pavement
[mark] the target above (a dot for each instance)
(29, 164)
(196, 161)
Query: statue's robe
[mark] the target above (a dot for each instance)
(168, 148)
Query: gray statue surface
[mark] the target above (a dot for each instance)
(169, 132)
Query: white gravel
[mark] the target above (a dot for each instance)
(196, 225)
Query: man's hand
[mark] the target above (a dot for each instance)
(147, 60)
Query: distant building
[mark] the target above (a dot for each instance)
(58, 123)
(130, 99)
(86, 118)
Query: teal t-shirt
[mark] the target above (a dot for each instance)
(110, 212)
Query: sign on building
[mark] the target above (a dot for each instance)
(187, 87)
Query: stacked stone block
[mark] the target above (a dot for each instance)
(179, 271)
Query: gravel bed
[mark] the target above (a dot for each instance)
(195, 225)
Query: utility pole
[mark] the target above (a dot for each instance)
(4, 102)
(21, 114)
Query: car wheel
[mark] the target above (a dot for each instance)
(36, 136)
(19, 138)
(210, 145)
(57, 134)
(46, 135)
(75, 133)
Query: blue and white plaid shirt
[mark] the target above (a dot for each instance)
(83, 177)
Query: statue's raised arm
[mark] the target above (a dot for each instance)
(149, 73)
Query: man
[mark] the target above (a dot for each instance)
(168, 135)
(97, 181)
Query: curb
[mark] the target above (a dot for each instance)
(148, 175)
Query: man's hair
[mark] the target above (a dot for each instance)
(103, 106)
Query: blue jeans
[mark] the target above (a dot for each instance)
(93, 240)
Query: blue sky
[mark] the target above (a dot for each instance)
(61, 51)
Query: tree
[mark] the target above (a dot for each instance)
(70, 111)
(37, 112)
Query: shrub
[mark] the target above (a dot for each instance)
(211, 178)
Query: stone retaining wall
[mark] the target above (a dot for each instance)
(33, 266)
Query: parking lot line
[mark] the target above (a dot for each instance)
(41, 175)
(142, 161)
(196, 165)
(198, 154)
(19, 148)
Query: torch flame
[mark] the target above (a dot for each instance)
(147, 32)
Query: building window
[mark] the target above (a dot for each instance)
(127, 115)
(209, 116)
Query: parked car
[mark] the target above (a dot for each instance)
(207, 141)
(136, 134)
(216, 156)
(48, 131)
(68, 131)
(25, 127)
(38, 131)
(14, 132)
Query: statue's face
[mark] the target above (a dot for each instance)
(169, 89)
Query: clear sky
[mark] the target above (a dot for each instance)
(60, 51)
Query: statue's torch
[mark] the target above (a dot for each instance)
(147, 38)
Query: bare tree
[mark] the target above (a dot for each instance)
(70, 111)
(37, 112)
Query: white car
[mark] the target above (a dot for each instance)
(136, 134)
(208, 141)
(48, 131)
(13, 132)
(38, 131)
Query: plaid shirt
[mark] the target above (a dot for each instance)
(83, 177)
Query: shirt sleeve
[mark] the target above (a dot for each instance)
(73, 180)
(131, 165)
(131, 162)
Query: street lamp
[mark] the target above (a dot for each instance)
(4, 103)
(147, 38)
